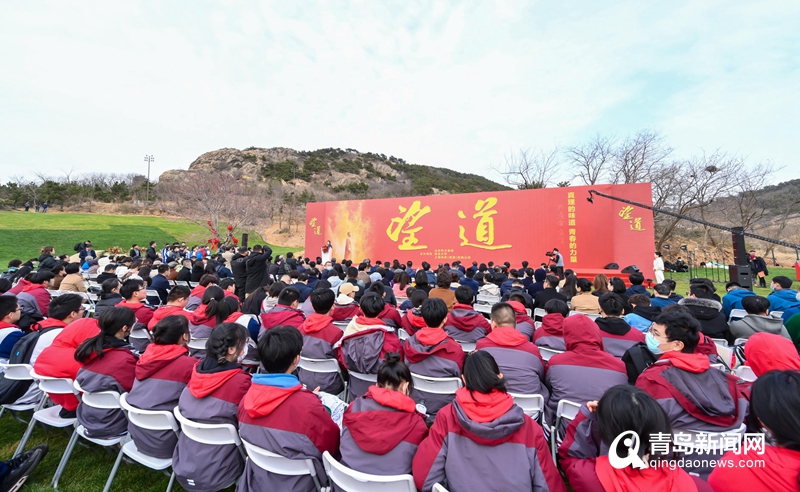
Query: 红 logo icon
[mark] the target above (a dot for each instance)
(632, 443)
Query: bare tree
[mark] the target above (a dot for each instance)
(745, 207)
(592, 159)
(639, 156)
(530, 169)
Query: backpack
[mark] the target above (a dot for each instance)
(78, 247)
(12, 390)
(637, 359)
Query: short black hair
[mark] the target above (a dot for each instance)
(755, 304)
(179, 292)
(352, 272)
(433, 311)
(556, 306)
(163, 268)
(636, 278)
(784, 282)
(226, 282)
(584, 284)
(670, 283)
(628, 408)
(418, 297)
(288, 296)
(372, 305)
(732, 284)
(503, 314)
(279, 347)
(464, 295)
(8, 304)
(71, 268)
(130, 287)
(680, 326)
(378, 288)
(612, 304)
(110, 267)
(64, 305)
(701, 291)
(552, 281)
(661, 289)
(322, 300)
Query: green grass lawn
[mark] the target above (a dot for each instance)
(23, 234)
(682, 280)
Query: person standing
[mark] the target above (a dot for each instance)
(27, 206)
(327, 252)
(44, 207)
(256, 266)
(151, 253)
(558, 259)
(658, 267)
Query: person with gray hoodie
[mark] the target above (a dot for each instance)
(758, 319)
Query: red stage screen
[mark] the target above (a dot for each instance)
(498, 226)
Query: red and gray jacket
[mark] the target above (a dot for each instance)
(201, 324)
(345, 312)
(465, 324)
(281, 315)
(143, 314)
(280, 416)
(381, 432)
(412, 321)
(585, 371)
(212, 397)
(40, 293)
(111, 372)
(551, 333)
(475, 433)
(164, 311)
(525, 324)
(163, 371)
(431, 352)
(363, 347)
(518, 359)
(618, 336)
(390, 316)
(319, 337)
(195, 298)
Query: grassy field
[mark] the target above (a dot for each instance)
(682, 280)
(23, 234)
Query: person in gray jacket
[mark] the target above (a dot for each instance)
(757, 320)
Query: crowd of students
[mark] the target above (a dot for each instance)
(380, 327)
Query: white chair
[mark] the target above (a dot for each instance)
(486, 299)
(323, 366)
(777, 314)
(150, 420)
(212, 434)
(142, 334)
(18, 372)
(192, 285)
(746, 373)
(197, 343)
(483, 308)
(532, 405)
(737, 314)
(280, 465)
(436, 386)
(720, 367)
(154, 293)
(539, 313)
(341, 324)
(574, 313)
(245, 319)
(468, 346)
(548, 352)
(50, 415)
(720, 341)
(402, 334)
(350, 480)
(370, 378)
(528, 312)
(103, 400)
(739, 341)
(438, 488)
(566, 410)
(537, 325)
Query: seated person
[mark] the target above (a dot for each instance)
(442, 290)
(517, 288)
(463, 323)
(707, 311)
(176, 302)
(617, 335)
(9, 332)
(196, 295)
(783, 298)
(161, 374)
(280, 416)
(412, 320)
(270, 299)
(636, 280)
(519, 360)
(551, 333)
(585, 371)
(108, 365)
(209, 313)
(134, 292)
(758, 319)
(525, 324)
(366, 342)
(382, 429)
(285, 313)
(109, 295)
(389, 314)
(319, 337)
(775, 405)
(733, 299)
(643, 314)
(73, 281)
(251, 322)
(431, 352)
(661, 297)
(766, 352)
(585, 302)
(549, 292)
(216, 388)
(481, 429)
(346, 307)
(584, 453)
(108, 272)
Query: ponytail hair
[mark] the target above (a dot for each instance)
(212, 298)
(110, 322)
(223, 337)
(170, 329)
(394, 372)
(481, 373)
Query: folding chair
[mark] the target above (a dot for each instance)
(468, 346)
(438, 488)
(736, 314)
(528, 312)
(350, 480)
(153, 293)
(151, 420)
(548, 352)
(539, 313)
(566, 410)
(746, 373)
(323, 366)
(280, 465)
(486, 299)
(103, 400)
(197, 343)
(777, 314)
(370, 379)
(483, 308)
(436, 386)
(48, 416)
(720, 341)
(18, 372)
(532, 405)
(402, 334)
(341, 324)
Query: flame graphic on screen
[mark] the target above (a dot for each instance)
(347, 217)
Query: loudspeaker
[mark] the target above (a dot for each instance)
(742, 275)
(740, 255)
(244, 241)
(630, 269)
(611, 266)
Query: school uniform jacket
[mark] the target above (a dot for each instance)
(280, 416)
(363, 347)
(412, 321)
(345, 312)
(585, 371)
(518, 359)
(465, 324)
(485, 442)
(195, 297)
(551, 333)
(319, 337)
(162, 372)
(143, 314)
(201, 324)
(280, 315)
(164, 311)
(9, 335)
(381, 432)
(114, 371)
(211, 397)
(431, 352)
(778, 472)
(390, 316)
(618, 336)
(525, 324)
(40, 293)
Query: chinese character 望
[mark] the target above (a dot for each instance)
(404, 225)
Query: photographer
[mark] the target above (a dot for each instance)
(558, 259)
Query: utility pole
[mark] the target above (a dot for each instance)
(148, 159)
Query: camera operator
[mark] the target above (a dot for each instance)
(558, 259)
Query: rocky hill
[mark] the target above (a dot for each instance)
(336, 173)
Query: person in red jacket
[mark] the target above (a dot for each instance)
(319, 337)
(382, 429)
(463, 323)
(346, 307)
(775, 406)
(209, 313)
(617, 335)
(134, 292)
(196, 295)
(389, 313)
(176, 302)
(217, 386)
(412, 320)
(551, 333)
(525, 324)
(161, 374)
(285, 313)
(108, 365)
(584, 453)
(481, 432)
(279, 415)
(766, 352)
(37, 288)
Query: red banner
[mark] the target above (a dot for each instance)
(498, 226)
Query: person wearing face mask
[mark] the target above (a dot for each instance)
(695, 395)
(775, 406)
(109, 365)
(783, 298)
(217, 386)
(383, 445)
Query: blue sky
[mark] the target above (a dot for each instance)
(94, 86)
